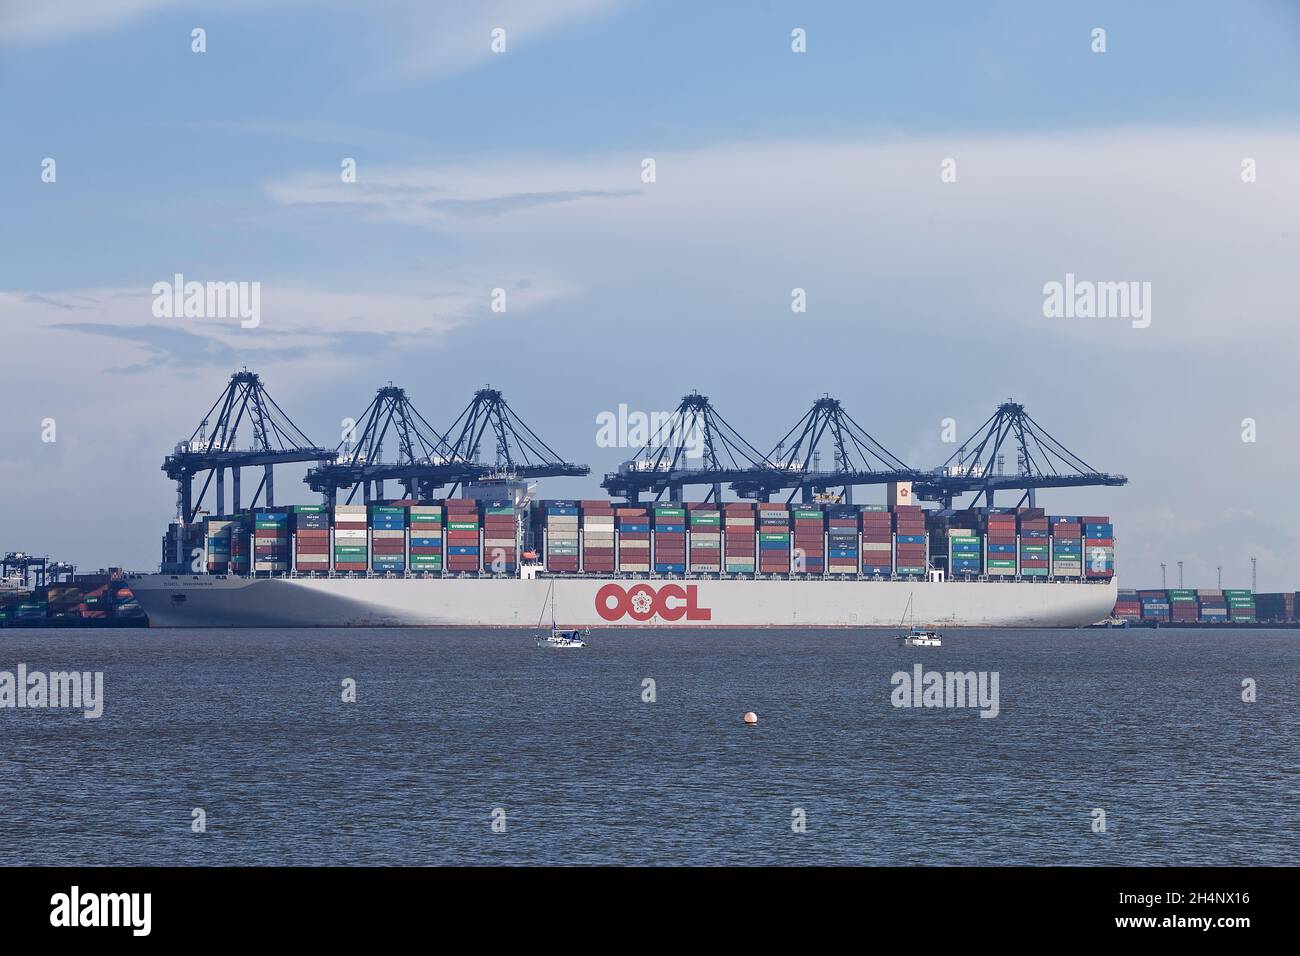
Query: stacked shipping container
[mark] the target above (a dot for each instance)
(1000, 545)
(1241, 606)
(809, 540)
(909, 540)
(1212, 607)
(388, 539)
(241, 544)
(1155, 606)
(773, 539)
(425, 538)
(964, 548)
(1182, 606)
(1098, 547)
(1207, 606)
(311, 539)
(500, 537)
(1035, 557)
(179, 546)
(597, 537)
(64, 603)
(463, 536)
(218, 544)
(1127, 606)
(705, 524)
(350, 550)
(842, 553)
(270, 541)
(633, 525)
(877, 541)
(739, 538)
(1275, 608)
(1067, 547)
(670, 539)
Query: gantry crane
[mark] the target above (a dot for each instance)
(423, 460)
(1041, 462)
(694, 431)
(213, 447)
(427, 459)
(518, 452)
(795, 461)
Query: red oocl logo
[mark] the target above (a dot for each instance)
(641, 602)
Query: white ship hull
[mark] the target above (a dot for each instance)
(220, 601)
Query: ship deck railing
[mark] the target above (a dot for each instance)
(652, 576)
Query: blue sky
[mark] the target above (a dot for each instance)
(775, 171)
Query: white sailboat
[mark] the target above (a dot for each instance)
(917, 636)
(560, 637)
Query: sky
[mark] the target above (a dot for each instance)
(1170, 158)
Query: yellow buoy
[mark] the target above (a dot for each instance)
(751, 717)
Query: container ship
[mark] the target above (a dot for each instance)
(490, 562)
(91, 600)
(491, 556)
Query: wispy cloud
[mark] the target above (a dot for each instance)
(425, 196)
(305, 131)
(417, 38)
(43, 20)
(298, 325)
(454, 35)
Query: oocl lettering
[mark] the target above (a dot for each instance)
(641, 602)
